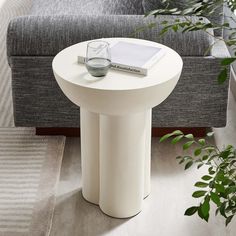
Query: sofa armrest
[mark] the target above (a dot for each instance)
(47, 35)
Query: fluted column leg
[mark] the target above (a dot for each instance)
(147, 165)
(115, 154)
(122, 163)
(90, 155)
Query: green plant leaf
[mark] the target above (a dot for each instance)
(188, 165)
(222, 76)
(173, 10)
(197, 151)
(223, 165)
(219, 188)
(166, 136)
(227, 61)
(187, 145)
(201, 184)
(211, 184)
(200, 165)
(152, 25)
(222, 209)
(191, 211)
(225, 153)
(200, 212)
(176, 132)
(230, 189)
(210, 149)
(213, 157)
(223, 195)
(202, 142)
(210, 134)
(232, 163)
(177, 139)
(226, 182)
(205, 207)
(187, 11)
(164, 22)
(201, 215)
(189, 136)
(226, 24)
(199, 193)
(175, 28)
(206, 177)
(228, 219)
(163, 32)
(215, 198)
(232, 171)
(205, 157)
(220, 176)
(211, 171)
(229, 147)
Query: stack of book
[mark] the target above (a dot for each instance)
(131, 57)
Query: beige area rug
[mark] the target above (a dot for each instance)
(8, 10)
(29, 173)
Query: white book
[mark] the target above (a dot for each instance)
(131, 57)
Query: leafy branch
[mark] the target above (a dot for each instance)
(187, 24)
(218, 186)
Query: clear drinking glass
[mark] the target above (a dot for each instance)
(98, 58)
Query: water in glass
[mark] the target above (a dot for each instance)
(98, 58)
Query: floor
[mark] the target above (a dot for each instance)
(163, 210)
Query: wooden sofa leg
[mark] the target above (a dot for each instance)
(156, 132)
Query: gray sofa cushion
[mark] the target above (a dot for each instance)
(150, 5)
(47, 35)
(86, 7)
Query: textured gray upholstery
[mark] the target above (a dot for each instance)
(47, 35)
(87, 7)
(52, 25)
(197, 100)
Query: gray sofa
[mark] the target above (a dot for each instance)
(33, 40)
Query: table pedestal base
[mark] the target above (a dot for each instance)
(115, 152)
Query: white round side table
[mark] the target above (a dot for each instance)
(115, 114)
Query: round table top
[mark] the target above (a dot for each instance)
(66, 67)
(118, 93)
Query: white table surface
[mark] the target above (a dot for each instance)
(119, 92)
(66, 66)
